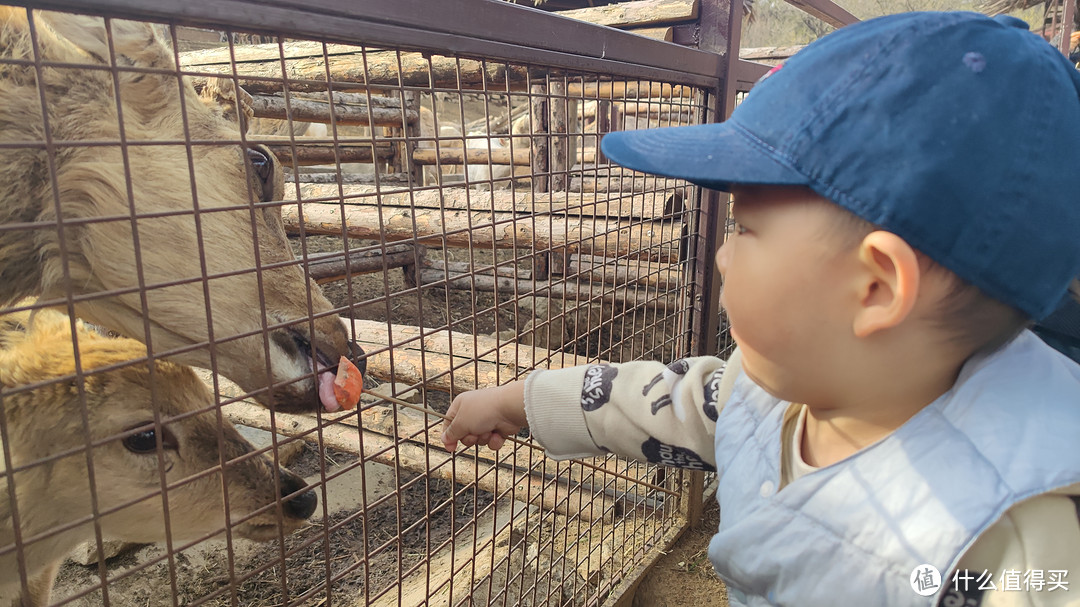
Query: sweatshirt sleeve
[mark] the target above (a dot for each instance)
(649, 411)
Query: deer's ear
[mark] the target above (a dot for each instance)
(134, 43)
(83, 32)
(131, 39)
(234, 103)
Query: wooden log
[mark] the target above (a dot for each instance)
(441, 581)
(445, 155)
(826, 10)
(499, 123)
(656, 240)
(770, 54)
(422, 459)
(309, 110)
(627, 184)
(195, 38)
(620, 271)
(667, 34)
(464, 267)
(448, 361)
(334, 177)
(394, 421)
(365, 261)
(659, 107)
(649, 205)
(626, 90)
(308, 154)
(390, 100)
(306, 68)
(628, 297)
(636, 13)
(586, 156)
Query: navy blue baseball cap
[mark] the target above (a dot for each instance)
(958, 132)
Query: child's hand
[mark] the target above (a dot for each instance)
(485, 417)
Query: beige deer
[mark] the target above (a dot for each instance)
(47, 175)
(140, 440)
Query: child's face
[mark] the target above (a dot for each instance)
(787, 289)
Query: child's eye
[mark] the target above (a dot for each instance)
(738, 228)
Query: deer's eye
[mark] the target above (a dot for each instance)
(143, 439)
(260, 162)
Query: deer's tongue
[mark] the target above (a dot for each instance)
(326, 391)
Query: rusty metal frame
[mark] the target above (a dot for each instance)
(464, 27)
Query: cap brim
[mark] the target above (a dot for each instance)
(715, 156)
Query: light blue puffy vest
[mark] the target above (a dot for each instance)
(852, 533)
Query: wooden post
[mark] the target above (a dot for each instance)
(538, 104)
(558, 136)
(412, 133)
(603, 125)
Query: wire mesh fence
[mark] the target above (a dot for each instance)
(207, 227)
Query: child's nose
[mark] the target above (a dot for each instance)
(722, 256)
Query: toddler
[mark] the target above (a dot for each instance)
(889, 432)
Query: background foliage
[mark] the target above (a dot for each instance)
(777, 23)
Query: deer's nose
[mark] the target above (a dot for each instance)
(301, 505)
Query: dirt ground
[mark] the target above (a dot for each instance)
(683, 576)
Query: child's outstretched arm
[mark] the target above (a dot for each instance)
(485, 417)
(642, 410)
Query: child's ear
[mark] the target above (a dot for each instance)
(889, 282)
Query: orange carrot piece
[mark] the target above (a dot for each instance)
(348, 384)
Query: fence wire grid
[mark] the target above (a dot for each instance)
(202, 222)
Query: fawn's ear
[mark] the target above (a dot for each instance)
(889, 282)
(234, 103)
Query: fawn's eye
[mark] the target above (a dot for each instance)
(143, 439)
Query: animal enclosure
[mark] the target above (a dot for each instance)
(270, 192)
